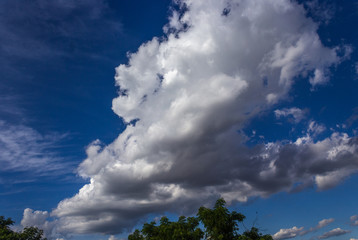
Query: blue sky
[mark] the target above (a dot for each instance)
(116, 112)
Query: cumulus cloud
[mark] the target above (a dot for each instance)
(354, 220)
(39, 219)
(287, 233)
(187, 97)
(333, 233)
(296, 113)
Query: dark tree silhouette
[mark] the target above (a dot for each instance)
(29, 233)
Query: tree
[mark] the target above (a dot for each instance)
(254, 234)
(29, 233)
(183, 229)
(219, 224)
(5, 231)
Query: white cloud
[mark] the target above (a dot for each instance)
(193, 93)
(314, 128)
(25, 149)
(296, 113)
(294, 231)
(333, 233)
(112, 238)
(287, 233)
(321, 224)
(34, 218)
(39, 219)
(354, 220)
(324, 223)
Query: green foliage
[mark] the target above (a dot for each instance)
(254, 234)
(183, 229)
(29, 233)
(219, 224)
(5, 232)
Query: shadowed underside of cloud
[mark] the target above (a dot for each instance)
(190, 95)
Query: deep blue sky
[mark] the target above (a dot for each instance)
(57, 69)
(68, 86)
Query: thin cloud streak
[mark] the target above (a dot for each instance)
(23, 149)
(40, 30)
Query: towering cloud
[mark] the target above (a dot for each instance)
(187, 98)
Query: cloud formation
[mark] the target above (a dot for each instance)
(296, 113)
(287, 233)
(354, 220)
(39, 219)
(333, 233)
(187, 98)
(294, 231)
(320, 225)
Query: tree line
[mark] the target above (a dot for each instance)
(219, 224)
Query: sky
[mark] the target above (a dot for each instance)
(114, 113)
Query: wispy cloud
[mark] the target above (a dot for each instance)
(24, 149)
(333, 233)
(8, 106)
(294, 231)
(43, 29)
(354, 220)
(294, 114)
(320, 225)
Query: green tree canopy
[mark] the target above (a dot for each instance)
(219, 224)
(183, 229)
(29, 233)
